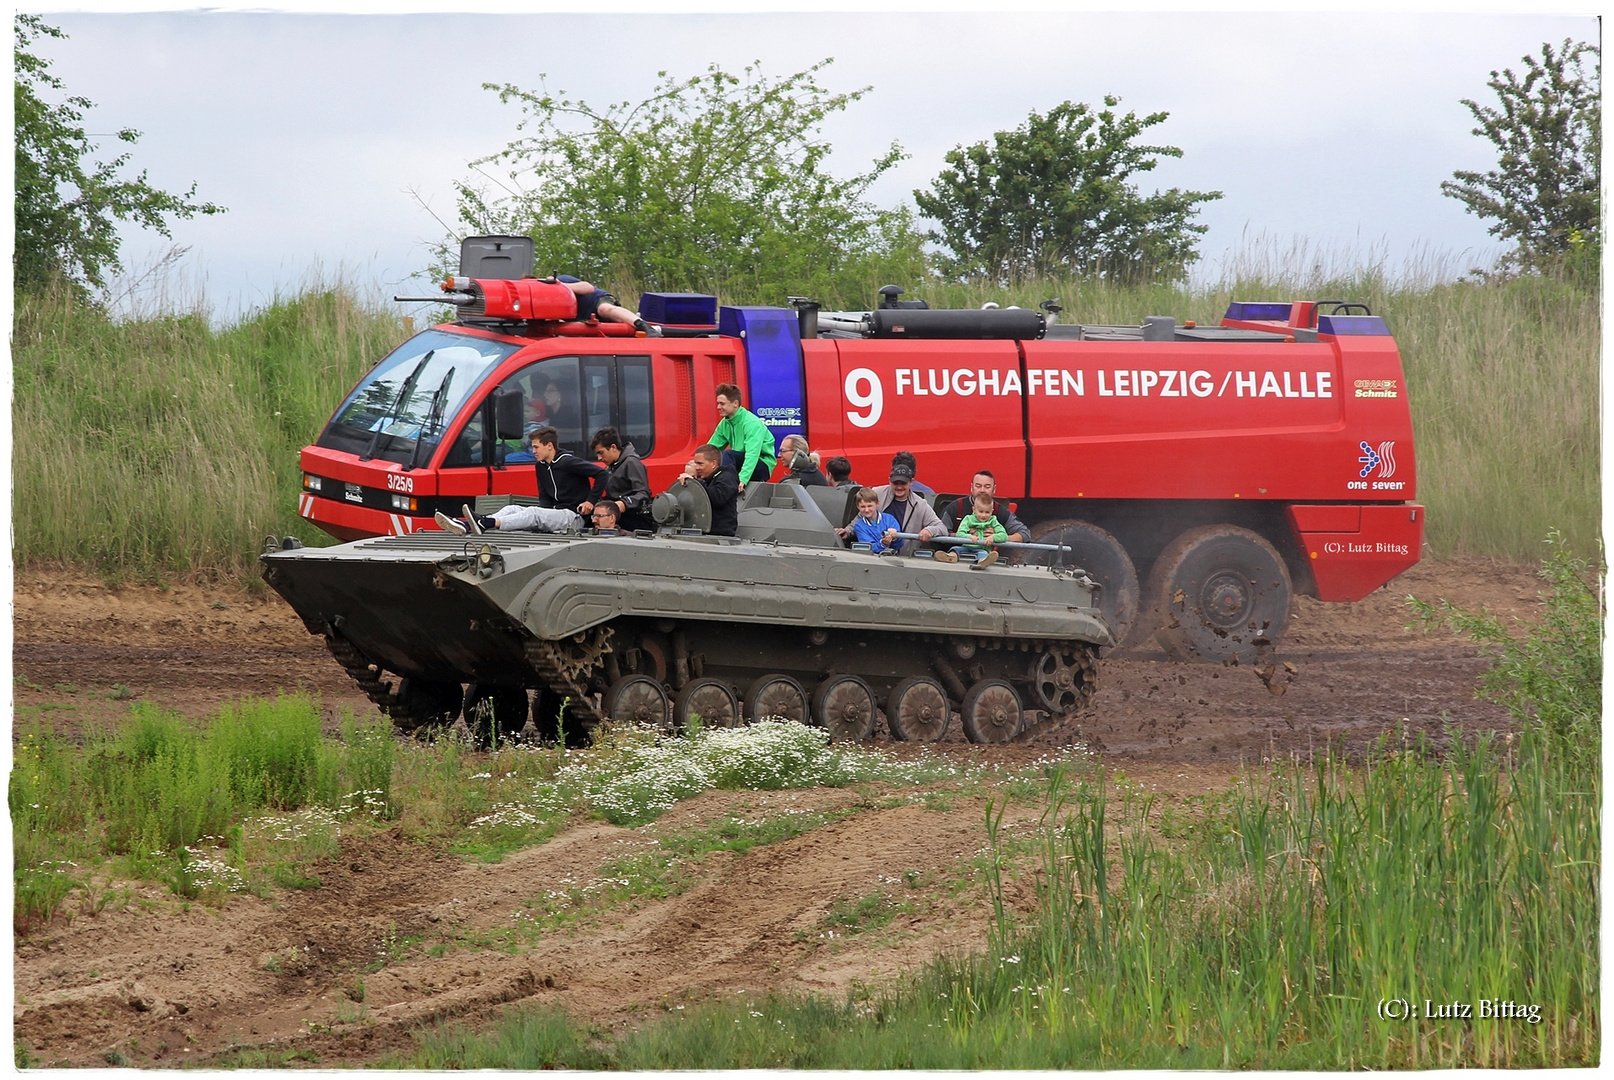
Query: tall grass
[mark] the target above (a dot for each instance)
(157, 445)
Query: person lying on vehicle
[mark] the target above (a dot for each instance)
(984, 483)
(593, 302)
(981, 527)
(722, 486)
(871, 527)
(525, 518)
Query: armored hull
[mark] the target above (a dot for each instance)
(673, 627)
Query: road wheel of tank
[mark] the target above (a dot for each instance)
(494, 712)
(636, 699)
(709, 701)
(1062, 679)
(845, 706)
(1106, 562)
(546, 706)
(778, 696)
(918, 710)
(1223, 595)
(422, 703)
(991, 712)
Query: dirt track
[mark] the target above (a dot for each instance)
(162, 985)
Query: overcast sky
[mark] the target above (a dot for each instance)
(326, 134)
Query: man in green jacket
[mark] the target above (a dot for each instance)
(750, 444)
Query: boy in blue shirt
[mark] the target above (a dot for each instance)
(871, 527)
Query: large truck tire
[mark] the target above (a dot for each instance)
(1105, 561)
(1222, 595)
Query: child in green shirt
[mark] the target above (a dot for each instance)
(981, 526)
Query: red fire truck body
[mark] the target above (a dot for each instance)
(1283, 423)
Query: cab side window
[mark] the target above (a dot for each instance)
(575, 395)
(638, 420)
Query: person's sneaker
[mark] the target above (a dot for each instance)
(470, 521)
(985, 560)
(944, 555)
(449, 525)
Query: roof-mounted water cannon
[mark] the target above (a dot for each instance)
(528, 299)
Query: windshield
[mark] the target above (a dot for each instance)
(412, 395)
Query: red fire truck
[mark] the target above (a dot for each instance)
(1202, 474)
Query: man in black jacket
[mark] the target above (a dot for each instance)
(722, 484)
(565, 481)
(984, 483)
(627, 486)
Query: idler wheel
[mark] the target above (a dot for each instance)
(845, 706)
(636, 699)
(709, 701)
(918, 710)
(1061, 680)
(494, 712)
(991, 712)
(778, 696)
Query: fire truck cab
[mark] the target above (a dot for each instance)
(1202, 475)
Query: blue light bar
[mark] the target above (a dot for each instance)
(678, 309)
(1266, 312)
(1348, 325)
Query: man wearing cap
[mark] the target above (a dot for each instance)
(912, 513)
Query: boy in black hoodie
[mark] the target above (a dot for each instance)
(565, 481)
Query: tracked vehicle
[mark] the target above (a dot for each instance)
(678, 625)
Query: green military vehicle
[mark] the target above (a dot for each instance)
(667, 627)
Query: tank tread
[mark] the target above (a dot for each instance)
(407, 711)
(566, 667)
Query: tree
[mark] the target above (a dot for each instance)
(1055, 194)
(1544, 193)
(66, 206)
(716, 182)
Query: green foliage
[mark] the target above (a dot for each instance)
(160, 445)
(67, 207)
(168, 797)
(1553, 674)
(1262, 937)
(1055, 195)
(714, 183)
(1545, 193)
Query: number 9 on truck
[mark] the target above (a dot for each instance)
(873, 400)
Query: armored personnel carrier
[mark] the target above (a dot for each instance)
(675, 625)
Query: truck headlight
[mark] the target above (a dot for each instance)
(403, 502)
(311, 482)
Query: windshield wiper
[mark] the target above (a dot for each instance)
(404, 392)
(434, 417)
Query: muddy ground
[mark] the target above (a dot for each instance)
(160, 982)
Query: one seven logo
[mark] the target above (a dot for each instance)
(1382, 459)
